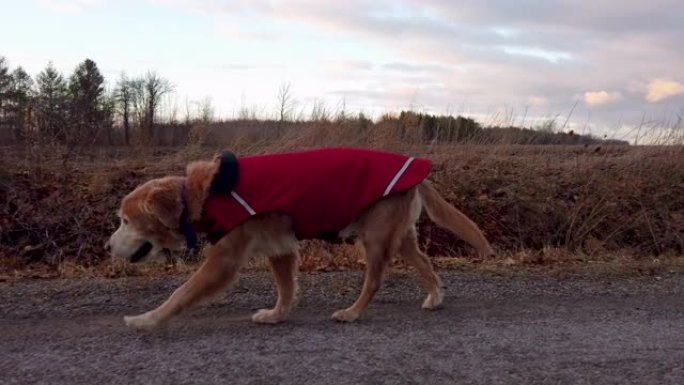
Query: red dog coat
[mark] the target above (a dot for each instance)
(321, 190)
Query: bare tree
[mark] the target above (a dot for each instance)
(155, 88)
(188, 112)
(138, 101)
(125, 99)
(285, 102)
(341, 115)
(205, 110)
(320, 112)
(148, 92)
(173, 113)
(108, 112)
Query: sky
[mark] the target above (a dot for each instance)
(611, 68)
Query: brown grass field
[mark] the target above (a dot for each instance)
(559, 208)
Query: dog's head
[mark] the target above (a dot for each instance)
(150, 220)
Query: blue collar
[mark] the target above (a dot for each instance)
(185, 226)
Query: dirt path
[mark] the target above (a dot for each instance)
(493, 330)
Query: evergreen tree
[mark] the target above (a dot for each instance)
(52, 104)
(5, 88)
(20, 101)
(5, 79)
(86, 91)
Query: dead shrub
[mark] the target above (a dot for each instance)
(534, 198)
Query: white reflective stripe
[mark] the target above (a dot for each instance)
(243, 203)
(396, 177)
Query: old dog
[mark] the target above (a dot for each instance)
(266, 204)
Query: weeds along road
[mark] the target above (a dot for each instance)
(516, 329)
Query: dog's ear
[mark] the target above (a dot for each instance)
(164, 203)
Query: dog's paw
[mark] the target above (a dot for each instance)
(141, 322)
(268, 316)
(433, 301)
(345, 315)
(487, 252)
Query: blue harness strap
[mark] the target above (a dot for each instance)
(185, 226)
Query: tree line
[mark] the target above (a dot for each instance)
(78, 108)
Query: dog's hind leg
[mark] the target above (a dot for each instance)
(216, 273)
(382, 231)
(410, 252)
(284, 268)
(377, 258)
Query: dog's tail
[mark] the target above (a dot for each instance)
(450, 218)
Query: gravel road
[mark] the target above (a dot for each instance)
(512, 329)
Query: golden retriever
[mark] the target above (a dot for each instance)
(151, 213)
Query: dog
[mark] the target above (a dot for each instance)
(266, 204)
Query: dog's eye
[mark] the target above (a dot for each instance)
(125, 221)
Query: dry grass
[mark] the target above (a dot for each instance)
(554, 262)
(553, 207)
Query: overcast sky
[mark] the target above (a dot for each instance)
(499, 61)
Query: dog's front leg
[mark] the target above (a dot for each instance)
(220, 267)
(284, 268)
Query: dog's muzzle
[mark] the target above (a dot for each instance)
(142, 252)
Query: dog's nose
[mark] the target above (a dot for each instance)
(107, 247)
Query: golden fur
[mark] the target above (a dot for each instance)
(152, 211)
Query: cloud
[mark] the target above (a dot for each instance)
(599, 98)
(244, 67)
(538, 101)
(247, 32)
(468, 55)
(661, 89)
(69, 6)
(538, 53)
